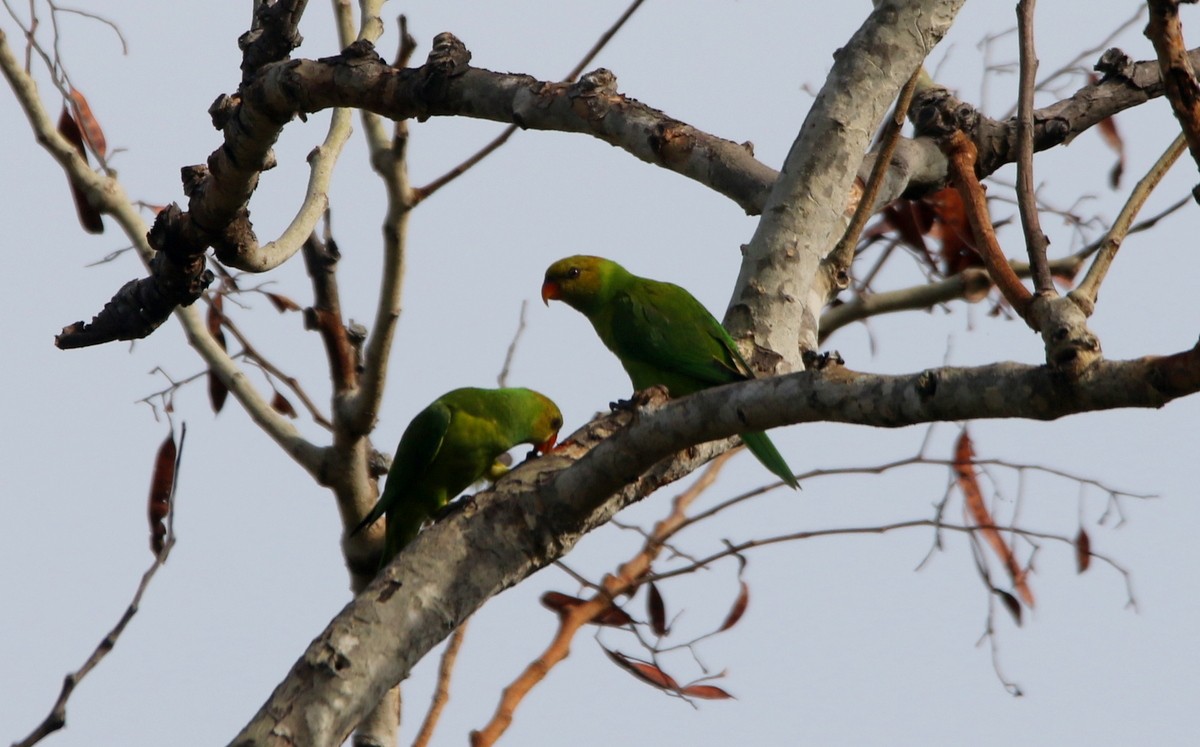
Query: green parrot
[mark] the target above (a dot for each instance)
(661, 334)
(453, 443)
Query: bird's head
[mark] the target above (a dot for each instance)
(546, 424)
(582, 281)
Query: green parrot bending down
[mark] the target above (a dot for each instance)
(451, 444)
(661, 334)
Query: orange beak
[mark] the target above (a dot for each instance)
(550, 290)
(547, 445)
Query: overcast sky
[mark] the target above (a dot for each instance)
(845, 641)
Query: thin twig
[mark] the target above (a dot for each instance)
(57, 718)
(421, 193)
(502, 378)
(441, 694)
(843, 254)
(1036, 242)
(1085, 295)
(627, 578)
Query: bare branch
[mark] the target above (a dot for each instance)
(1036, 242)
(1088, 290)
(1179, 76)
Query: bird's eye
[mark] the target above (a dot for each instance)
(572, 273)
(556, 423)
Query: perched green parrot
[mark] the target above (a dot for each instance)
(661, 334)
(451, 444)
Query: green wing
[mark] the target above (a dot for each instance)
(419, 446)
(663, 335)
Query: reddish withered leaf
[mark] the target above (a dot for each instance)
(657, 611)
(1010, 603)
(91, 129)
(217, 391)
(968, 483)
(559, 602)
(644, 671)
(613, 617)
(705, 692)
(280, 404)
(282, 303)
(1083, 550)
(953, 230)
(89, 217)
(738, 609)
(161, 482)
(1108, 132)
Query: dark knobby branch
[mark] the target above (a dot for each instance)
(1178, 73)
(273, 35)
(447, 86)
(540, 510)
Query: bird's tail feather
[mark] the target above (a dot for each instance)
(762, 448)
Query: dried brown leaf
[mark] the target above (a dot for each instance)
(968, 483)
(705, 692)
(89, 217)
(161, 482)
(217, 391)
(1083, 550)
(281, 405)
(1010, 603)
(644, 671)
(90, 127)
(739, 607)
(657, 611)
(282, 303)
(559, 602)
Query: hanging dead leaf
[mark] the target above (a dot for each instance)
(1107, 128)
(280, 404)
(1083, 550)
(559, 602)
(92, 132)
(968, 483)
(217, 391)
(611, 616)
(656, 610)
(89, 217)
(739, 607)
(282, 303)
(162, 480)
(644, 671)
(706, 692)
(1010, 603)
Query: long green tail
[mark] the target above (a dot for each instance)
(762, 448)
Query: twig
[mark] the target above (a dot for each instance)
(1085, 294)
(57, 718)
(843, 254)
(251, 353)
(502, 378)
(1036, 242)
(628, 577)
(421, 193)
(961, 153)
(441, 695)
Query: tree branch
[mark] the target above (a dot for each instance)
(538, 512)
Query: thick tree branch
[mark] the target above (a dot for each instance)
(541, 509)
(780, 290)
(447, 86)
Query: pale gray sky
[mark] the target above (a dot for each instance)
(843, 643)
